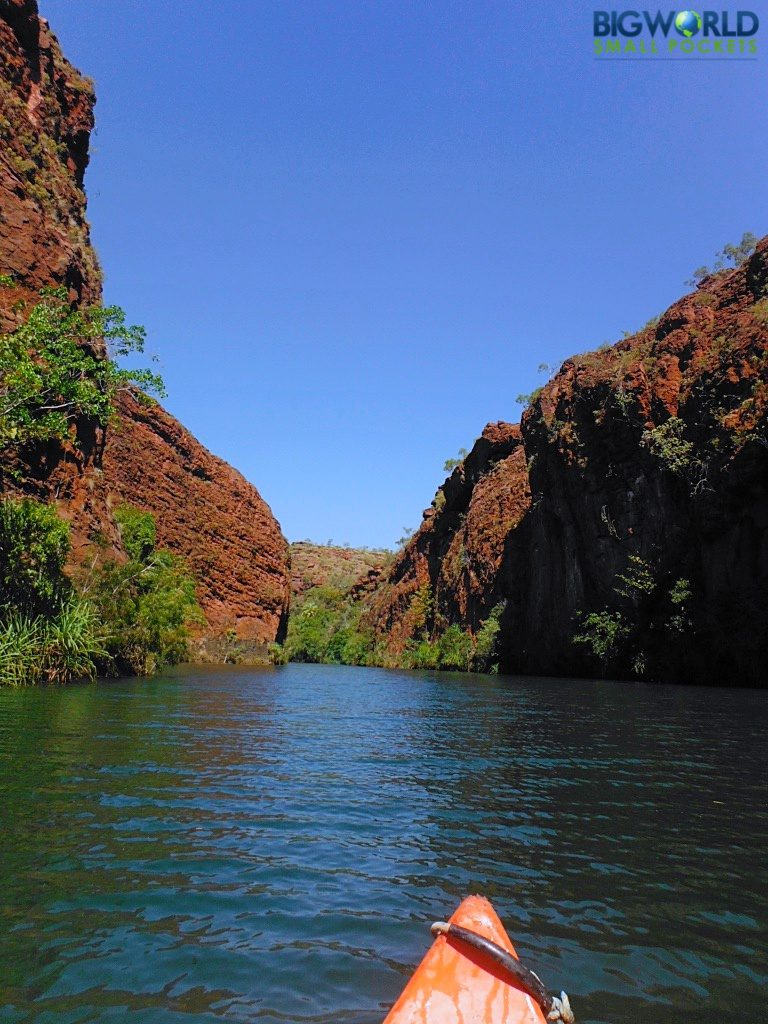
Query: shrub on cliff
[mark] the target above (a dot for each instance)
(486, 641)
(450, 464)
(667, 443)
(49, 376)
(454, 649)
(146, 604)
(34, 544)
(605, 634)
(646, 631)
(729, 256)
(138, 532)
(530, 398)
(421, 609)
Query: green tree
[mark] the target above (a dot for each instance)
(278, 654)
(312, 628)
(486, 641)
(450, 464)
(138, 532)
(423, 655)
(358, 646)
(147, 604)
(407, 534)
(736, 254)
(730, 255)
(50, 376)
(530, 398)
(422, 604)
(326, 629)
(456, 649)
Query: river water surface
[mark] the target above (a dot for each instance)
(271, 845)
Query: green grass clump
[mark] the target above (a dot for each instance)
(67, 647)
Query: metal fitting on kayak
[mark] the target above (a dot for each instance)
(553, 1008)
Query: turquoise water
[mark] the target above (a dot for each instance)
(271, 845)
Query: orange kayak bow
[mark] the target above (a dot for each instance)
(471, 975)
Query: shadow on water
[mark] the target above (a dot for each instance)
(272, 844)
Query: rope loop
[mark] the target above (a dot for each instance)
(561, 1010)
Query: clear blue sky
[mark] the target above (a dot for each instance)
(354, 229)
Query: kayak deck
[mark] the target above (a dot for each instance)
(456, 985)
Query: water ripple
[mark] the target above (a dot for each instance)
(270, 845)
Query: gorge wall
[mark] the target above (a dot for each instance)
(637, 487)
(634, 490)
(457, 551)
(205, 510)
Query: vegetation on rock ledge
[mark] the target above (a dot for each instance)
(645, 632)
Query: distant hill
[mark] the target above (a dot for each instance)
(319, 565)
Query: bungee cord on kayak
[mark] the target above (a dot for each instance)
(555, 1008)
(471, 973)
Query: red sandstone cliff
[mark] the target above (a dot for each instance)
(206, 511)
(46, 117)
(655, 448)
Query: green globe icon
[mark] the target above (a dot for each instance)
(688, 23)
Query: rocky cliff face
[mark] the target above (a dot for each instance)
(457, 551)
(206, 512)
(655, 449)
(46, 117)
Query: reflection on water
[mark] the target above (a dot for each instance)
(271, 844)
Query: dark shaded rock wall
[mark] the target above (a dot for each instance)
(654, 448)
